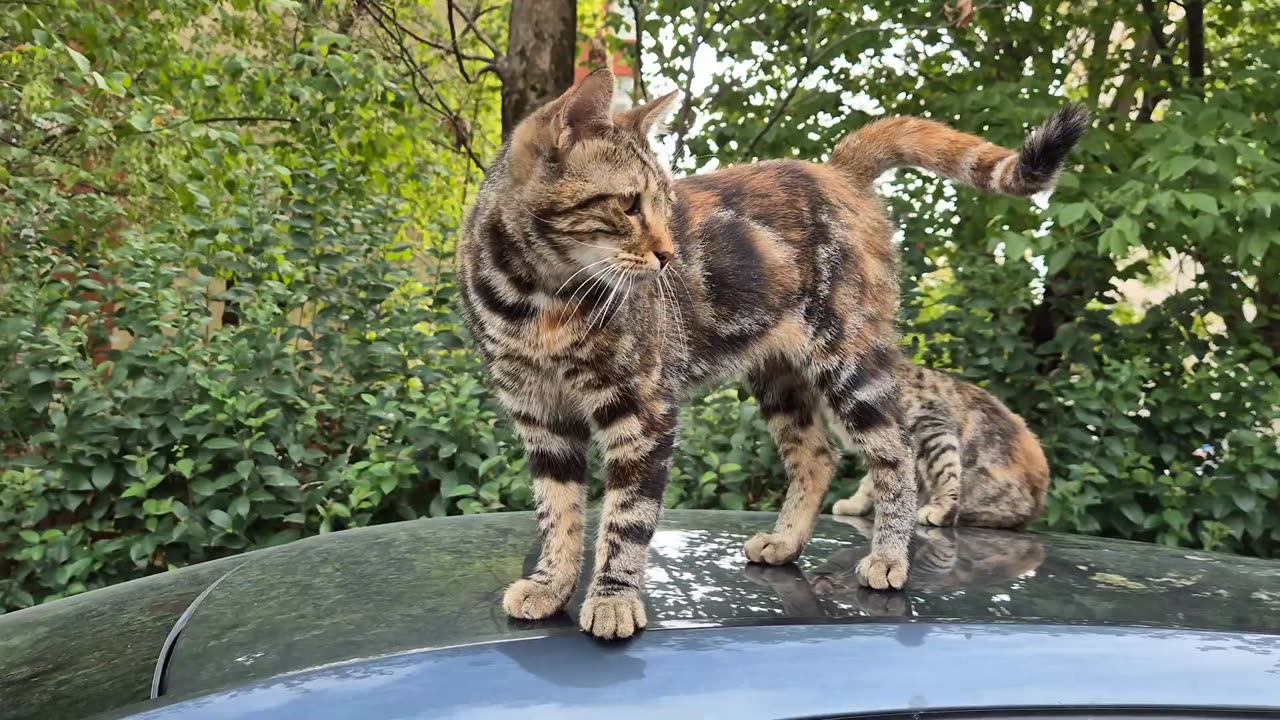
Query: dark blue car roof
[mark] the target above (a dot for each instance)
(385, 600)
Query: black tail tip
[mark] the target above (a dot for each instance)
(1046, 150)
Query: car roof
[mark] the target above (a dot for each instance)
(430, 584)
(896, 669)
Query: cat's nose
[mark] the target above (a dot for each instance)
(664, 257)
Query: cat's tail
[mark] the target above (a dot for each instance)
(874, 149)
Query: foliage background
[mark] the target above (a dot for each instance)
(226, 268)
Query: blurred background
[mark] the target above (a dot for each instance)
(227, 231)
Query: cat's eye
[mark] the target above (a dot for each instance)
(633, 204)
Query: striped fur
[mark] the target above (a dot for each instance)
(976, 462)
(883, 145)
(600, 292)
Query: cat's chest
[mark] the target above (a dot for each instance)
(550, 339)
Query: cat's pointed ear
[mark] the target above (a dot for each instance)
(584, 109)
(654, 113)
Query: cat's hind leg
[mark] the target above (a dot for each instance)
(938, 469)
(793, 411)
(861, 388)
(862, 502)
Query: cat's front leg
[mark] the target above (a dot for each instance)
(637, 432)
(556, 444)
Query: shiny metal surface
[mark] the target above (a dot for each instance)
(426, 584)
(405, 587)
(775, 672)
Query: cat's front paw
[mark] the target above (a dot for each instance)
(882, 572)
(773, 548)
(934, 515)
(529, 600)
(611, 617)
(857, 505)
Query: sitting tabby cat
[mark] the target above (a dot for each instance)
(600, 292)
(976, 462)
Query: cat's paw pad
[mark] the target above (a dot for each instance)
(529, 600)
(773, 574)
(825, 586)
(882, 572)
(612, 617)
(883, 604)
(773, 548)
(935, 515)
(857, 505)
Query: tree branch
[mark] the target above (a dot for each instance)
(453, 49)
(684, 119)
(639, 91)
(812, 63)
(440, 106)
(475, 29)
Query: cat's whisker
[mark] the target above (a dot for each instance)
(602, 279)
(603, 309)
(579, 272)
(599, 310)
(675, 312)
(598, 247)
(586, 288)
(626, 296)
(662, 306)
(683, 327)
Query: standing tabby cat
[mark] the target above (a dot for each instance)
(600, 291)
(976, 462)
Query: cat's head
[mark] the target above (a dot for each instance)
(588, 189)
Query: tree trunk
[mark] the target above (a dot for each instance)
(541, 47)
(1195, 44)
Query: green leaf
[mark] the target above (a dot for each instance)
(220, 519)
(1199, 201)
(1173, 518)
(1059, 259)
(185, 466)
(102, 476)
(1071, 213)
(731, 501)
(239, 506)
(29, 536)
(81, 61)
(461, 490)
(221, 443)
(1133, 513)
(1178, 166)
(1245, 501)
(135, 490)
(244, 468)
(39, 375)
(388, 484)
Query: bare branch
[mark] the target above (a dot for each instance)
(685, 118)
(392, 28)
(382, 12)
(475, 29)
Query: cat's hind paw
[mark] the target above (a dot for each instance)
(935, 515)
(857, 505)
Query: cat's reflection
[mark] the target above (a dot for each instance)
(942, 560)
